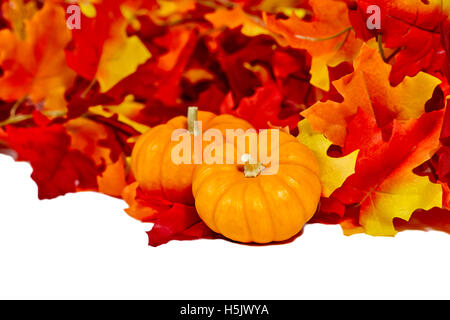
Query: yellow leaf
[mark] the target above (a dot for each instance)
(368, 88)
(401, 196)
(235, 17)
(328, 36)
(36, 65)
(333, 171)
(319, 73)
(121, 57)
(127, 110)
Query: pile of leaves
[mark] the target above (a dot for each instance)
(370, 103)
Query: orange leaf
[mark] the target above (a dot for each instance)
(328, 37)
(368, 88)
(384, 185)
(36, 66)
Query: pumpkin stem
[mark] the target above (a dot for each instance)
(192, 118)
(252, 168)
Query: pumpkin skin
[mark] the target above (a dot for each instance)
(264, 208)
(151, 161)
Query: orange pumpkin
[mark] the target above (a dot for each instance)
(151, 161)
(241, 203)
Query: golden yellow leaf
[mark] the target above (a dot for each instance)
(333, 171)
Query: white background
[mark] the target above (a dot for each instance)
(83, 246)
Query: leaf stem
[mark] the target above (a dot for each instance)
(298, 36)
(16, 106)
(88, 88)
(380, 47)
(22, 117)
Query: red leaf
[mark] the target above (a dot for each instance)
(412, 29)
(384, 175)
(435, 219)
(57, 169)
(179, 222)
(172, 221)
(262, 109)
(84, 52)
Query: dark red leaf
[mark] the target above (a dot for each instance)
(57, 169)
(179, 222)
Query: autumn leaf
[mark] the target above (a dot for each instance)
(410, 28)
(102, 50)
(328, 37)
(98, 142)
(236, 17)
(262, 110)
(368, 88)
(384, 186)
(171, 221)
(35, 65)
(125, 112)
(179, 222)
(121, 57)
(333, 171)
(62, 169)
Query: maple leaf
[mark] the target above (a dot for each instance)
(159, 79)
(35, 66)
(102, 50)
(333, 171)
(121, 57)
(172, 221)
(179, 222)
(125, 112)
(236, 17)
(262, 110)
(424, 220)
(411, 28)
(328, 37)
(368, 88)
(384, 186)
(98, 142)
(58, 170)
(85, 50)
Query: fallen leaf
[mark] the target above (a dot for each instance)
(58, 170)
(35, 65)
(384, 186)
(328, 37)
(333, 171)
(368, 88)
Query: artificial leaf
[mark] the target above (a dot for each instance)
(35, 65)
(328, 37)
(368, 88)
(384, 186)
(172, 221)
(120, 59)
(409, 27)
(262, 109)
(237, 17)
(60, 169)
(97, 142)
(333, 171)
(85, 50)
(127, 110)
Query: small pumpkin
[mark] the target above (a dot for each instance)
(241, 203)
(151, 161)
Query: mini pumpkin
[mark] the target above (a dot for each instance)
(151, 161)
(242, 203)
